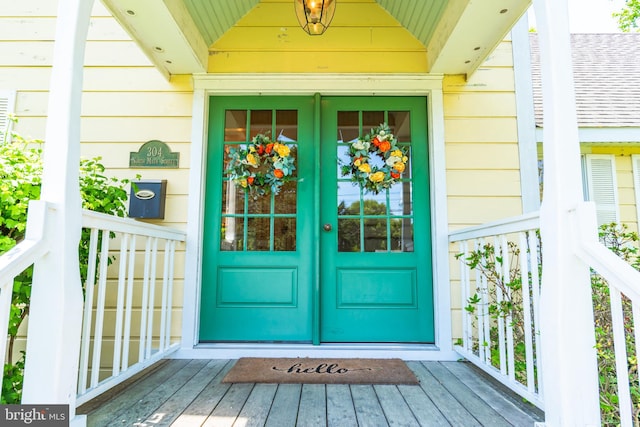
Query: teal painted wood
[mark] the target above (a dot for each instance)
(257, 295)
(376, 296)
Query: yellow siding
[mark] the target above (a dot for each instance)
(126, 102)
(483, 177)
(269, 39)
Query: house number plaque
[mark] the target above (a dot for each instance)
(154, 154)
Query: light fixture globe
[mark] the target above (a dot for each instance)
(315, 16)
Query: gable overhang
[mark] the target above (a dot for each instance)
(458, 35)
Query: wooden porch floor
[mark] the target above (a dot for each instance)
(189, 393)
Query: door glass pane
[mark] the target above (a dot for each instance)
(348, 199)
(369, 222)
(400, 125)
(232, 199)
(232, 234)
(252, 221)
(375, 235)
(400, 199)
(235, 125)
(286, 126)
(348, 126)
(402, 235)
(349, 235)
(258, 234)
(375, 204)
(371, 119)
(285, 201)
(261, 123)
(284, 231)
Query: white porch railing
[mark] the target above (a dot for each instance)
(138, 278)
(500, 290)
(128, 295)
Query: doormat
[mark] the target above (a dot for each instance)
(320, 371)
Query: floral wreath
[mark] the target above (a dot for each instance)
(382, 144)
(261, 168)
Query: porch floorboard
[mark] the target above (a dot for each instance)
(189, 393)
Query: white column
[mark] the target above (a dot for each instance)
(527, 149)
(569, 364)
(56, 302)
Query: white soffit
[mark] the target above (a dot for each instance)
(166, 33)
(469, 31)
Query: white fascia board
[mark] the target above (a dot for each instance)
(469, 31)
(326, 84)
(165, 32)
(624, 135)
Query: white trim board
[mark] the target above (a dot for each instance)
(207, 85)
(609, 135)
(381, 351)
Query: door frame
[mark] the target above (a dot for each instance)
(429, 85)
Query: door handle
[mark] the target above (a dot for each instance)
(327, 227)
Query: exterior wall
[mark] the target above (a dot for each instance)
(483, 177)
(126, 102)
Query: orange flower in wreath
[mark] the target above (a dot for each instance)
(250, 180)
(376, 142)
(269, 148)
(384, 146)
(278, 173)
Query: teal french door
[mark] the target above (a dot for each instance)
(322, 261)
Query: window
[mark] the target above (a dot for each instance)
(601, 186)
(635, 161)
(7, 102)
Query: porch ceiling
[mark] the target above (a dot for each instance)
(457, 34)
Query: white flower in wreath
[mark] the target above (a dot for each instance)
(361, 145)
(392, 160)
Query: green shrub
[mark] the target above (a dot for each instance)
(625, 245)
(20, 178)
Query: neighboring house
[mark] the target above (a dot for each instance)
(607, 85)
(321, 269)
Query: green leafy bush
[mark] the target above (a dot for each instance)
(20, 178)
(625, 245)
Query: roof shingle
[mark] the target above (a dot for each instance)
(607, 79)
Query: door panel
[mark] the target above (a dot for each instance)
(376, 278)
(257, 260)
(275, 264)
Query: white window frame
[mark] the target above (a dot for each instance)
(604, 192)
(635, 162)
(7, 107)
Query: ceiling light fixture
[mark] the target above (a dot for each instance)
(315, 16)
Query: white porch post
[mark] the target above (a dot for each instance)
(570, 378)
(55, 317)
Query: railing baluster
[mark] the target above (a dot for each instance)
(144, 306)
(152, 294)
(163, 303)
(500, 252)
(100, 305)
(620, 350)
(635, 310)
(534, 251)
(88, 310)
(6, 290)
(117, 341)
(525, 260)
(479, 312)
(129, 303)
(170, 292)
(506, 272)
(465, 287)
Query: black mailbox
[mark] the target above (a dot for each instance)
(147, 199)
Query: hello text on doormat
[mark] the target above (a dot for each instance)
(320, 371)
